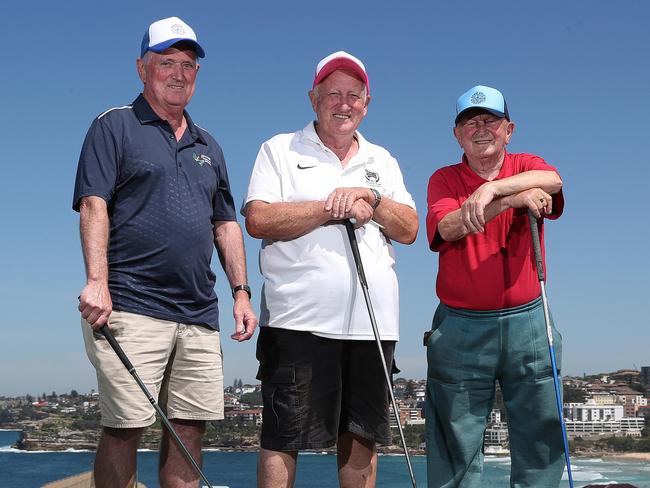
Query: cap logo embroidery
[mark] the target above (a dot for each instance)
(178, 29)
(477, 98)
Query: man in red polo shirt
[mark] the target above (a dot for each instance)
(489, 325)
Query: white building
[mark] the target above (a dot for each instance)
(592, 411)
(495, 416)
(625, 425)
(496, 435)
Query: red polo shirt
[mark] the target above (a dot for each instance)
(494, 269)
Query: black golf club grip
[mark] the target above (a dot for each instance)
(116, 347)
(349, 227)
(537, 247)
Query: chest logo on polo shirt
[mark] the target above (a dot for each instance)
(306, 166)
(202, 159)
(372, 178)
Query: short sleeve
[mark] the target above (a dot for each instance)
(98, 164)
(223, 204)
(441, 200)
(535, 163)
(265, 182)
(398, 191)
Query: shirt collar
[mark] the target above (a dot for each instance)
(146, 115)
(506, 161)
(309, 133)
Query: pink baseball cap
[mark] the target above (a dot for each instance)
(341, 60)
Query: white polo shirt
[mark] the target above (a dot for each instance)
(311, 283)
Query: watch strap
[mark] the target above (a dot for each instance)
(377, 198)
(245, 288)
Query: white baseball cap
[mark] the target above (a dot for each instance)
(164, 33)
(340, 60)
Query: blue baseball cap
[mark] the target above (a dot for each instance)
(164, 33)
(482, 98)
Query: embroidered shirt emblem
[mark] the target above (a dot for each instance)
(202, 159)
(372, 178)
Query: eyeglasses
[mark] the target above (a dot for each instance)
(474, 124)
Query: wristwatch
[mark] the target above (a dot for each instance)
(377, 198)
(237, 288)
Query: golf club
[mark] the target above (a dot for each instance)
(127, 364)
(364, 286)
(549, 334)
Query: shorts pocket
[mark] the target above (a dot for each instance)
(281, 401)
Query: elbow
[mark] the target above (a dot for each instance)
(556, 184)
(253, 220)
(254, 227)
(409, 231)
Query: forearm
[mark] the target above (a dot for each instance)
(399, 221)
(452, 228)
(229, 241)
(549, 181)
(94, 229)
(284, 221)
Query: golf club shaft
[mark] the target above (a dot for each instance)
(127, 364)
(364, 286)
(549, 334)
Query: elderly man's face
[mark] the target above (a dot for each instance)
(340, 103)
(169, 78)
(484, 136)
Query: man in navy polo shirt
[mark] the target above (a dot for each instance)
(153, 196)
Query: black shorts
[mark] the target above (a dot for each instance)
(315, 389)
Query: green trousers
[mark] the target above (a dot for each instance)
(467, 351)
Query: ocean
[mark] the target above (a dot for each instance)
(19, 469)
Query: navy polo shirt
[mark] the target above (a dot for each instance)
(163, 196)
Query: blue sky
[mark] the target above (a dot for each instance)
(575, 75)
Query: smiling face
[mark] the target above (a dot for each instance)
(169, 79)
(340, 103)
(484, 137)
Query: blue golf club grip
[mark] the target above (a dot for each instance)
(534, 230)
(116, 347)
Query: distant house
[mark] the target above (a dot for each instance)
(251, 416)
(247, 389)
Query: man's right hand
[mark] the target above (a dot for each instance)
(95, 304)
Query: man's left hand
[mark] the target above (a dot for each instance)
(245, 318)
(361, 212)
(339, 203)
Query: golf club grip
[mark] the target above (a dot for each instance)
(355, 251)
(116, 347)
(537, 247)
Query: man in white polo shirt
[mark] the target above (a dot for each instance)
(321, 374)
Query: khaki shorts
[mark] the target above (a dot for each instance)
(180, 364)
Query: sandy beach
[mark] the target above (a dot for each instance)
(632, 456)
